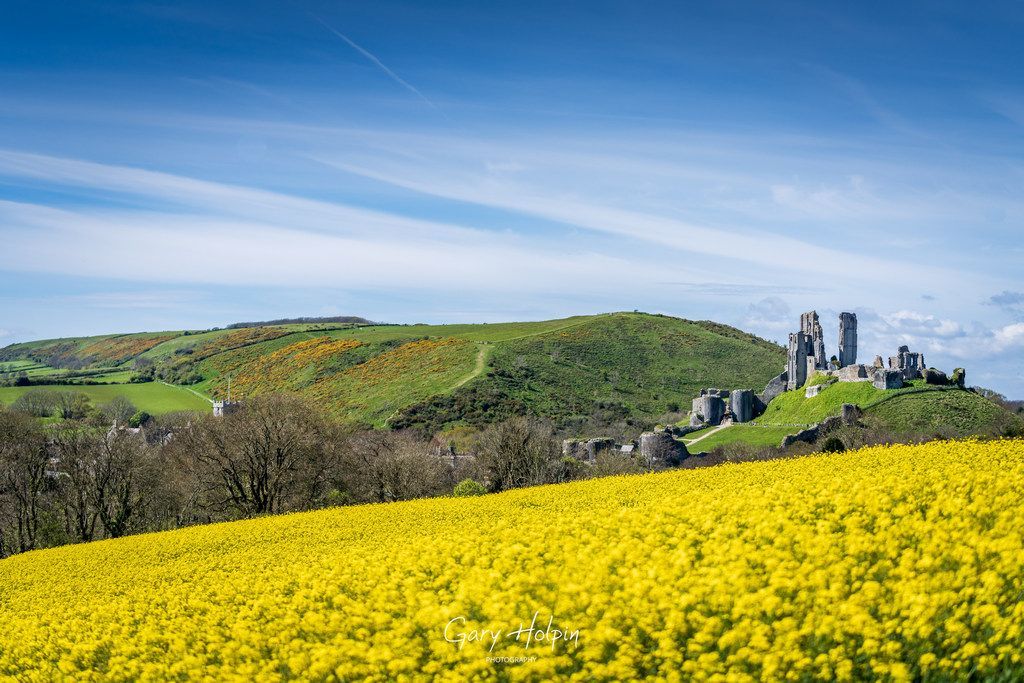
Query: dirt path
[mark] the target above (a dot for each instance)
(707, 434)
(554, 329)
(481, 363)
(176, 386)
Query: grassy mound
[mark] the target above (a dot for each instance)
(917, 409)
(431, 377)
(793, 408)
(946, 412)
(899, 563)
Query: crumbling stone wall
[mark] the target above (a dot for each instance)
(741, 403)
(811, 434)
(853, 373)
(847, 339)
(796, 365)
(907, 362)
(775, 386)
(887, 379)
(810, 326)
(659, 450)
(587, 450)
(712, 409)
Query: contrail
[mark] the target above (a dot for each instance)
(369, 55)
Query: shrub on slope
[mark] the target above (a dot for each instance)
(900, 563)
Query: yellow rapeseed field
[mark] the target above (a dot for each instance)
(896, 563)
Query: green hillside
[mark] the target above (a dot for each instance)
(917, 408)
(432, 376)
(633, 364)
(952, 412)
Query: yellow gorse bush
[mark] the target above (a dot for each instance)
(282, 367)
(119, 349)
(421, 356)
(895, 563)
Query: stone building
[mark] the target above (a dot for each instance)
(709, 407)
(222, 408)
(659, 450)
(807, 348)
(741, 404)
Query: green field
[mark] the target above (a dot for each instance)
(750, 433)
(153, 397)
(29, 367)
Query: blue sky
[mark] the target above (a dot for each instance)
(187, 164)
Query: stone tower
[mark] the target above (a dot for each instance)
(796, 364)
(810, 326)
(847, 339)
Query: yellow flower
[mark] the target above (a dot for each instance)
(902, 563)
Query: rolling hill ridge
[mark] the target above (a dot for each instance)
(631, 365)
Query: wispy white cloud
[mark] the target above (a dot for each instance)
(194, 248)
(941, 339)
(220, 198)
(741, 244)
(147, 300)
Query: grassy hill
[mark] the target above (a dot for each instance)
(949, 412)
(431, 376)
(843, 567)
(917, 408)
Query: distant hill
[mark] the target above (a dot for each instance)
(302, 321)
(619, 365)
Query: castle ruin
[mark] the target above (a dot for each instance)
(805, 357)
(807, 348)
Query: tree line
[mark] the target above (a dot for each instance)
(96, 477)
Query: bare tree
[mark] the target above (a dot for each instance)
(75, 451)
(268, 457)
(119, 410)
(384, 466)
(518, 452)
(122, 478)
(35, 402)
(71, 404)
(23, 468)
